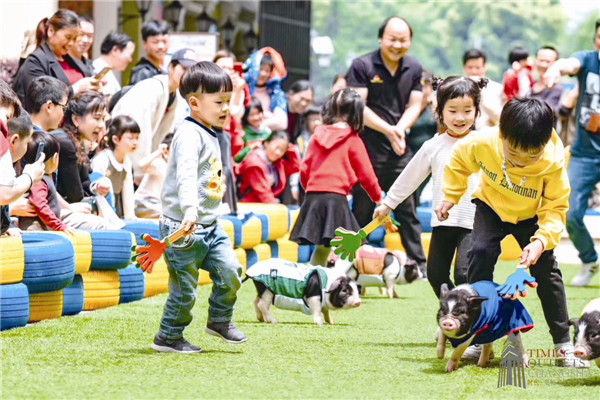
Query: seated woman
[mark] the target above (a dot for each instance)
(264, 172)
(84, 120)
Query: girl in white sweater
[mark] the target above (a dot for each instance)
(457, 107)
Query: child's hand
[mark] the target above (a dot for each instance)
(381, 211)
(36, 169)
(189, 223)
(102, 186)
(14, 232)
(70, 231)
(442, 210)
(531, 253)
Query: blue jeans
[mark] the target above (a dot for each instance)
(584, 174)
(210, 249)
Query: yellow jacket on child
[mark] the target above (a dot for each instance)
(541, 188)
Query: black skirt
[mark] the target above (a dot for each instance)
(320, 215)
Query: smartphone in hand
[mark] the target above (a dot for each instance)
(102, 73)
(40, 149)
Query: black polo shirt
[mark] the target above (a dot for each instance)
(388, 96)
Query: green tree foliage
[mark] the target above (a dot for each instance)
(442, 31)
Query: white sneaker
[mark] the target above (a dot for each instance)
(473, 352)
(585, 275)
(566, 357)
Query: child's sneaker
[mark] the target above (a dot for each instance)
(473, 352)
(226, 331)
(585, 275)
(566, 357)
(174, 346)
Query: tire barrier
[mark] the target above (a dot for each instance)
(260, 252)
(158, 281)
(225, 220)
(293, 212)
(284, 248)
(82, 245)
(304, 253)
(14, 306)
(49, 262)
(376, 238)
(252, 232)
(132, 284)
(140, 226)
(111, 250)
(73, 297)
(277, 214)
(45, 306)
(229, 229)
(100, 289)
(12, 260)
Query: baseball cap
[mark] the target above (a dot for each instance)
(186, 57)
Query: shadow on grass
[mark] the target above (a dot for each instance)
(307, 323)
(399, 344)
(149, 351)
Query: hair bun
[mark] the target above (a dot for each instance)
(436, 82)
(482, 82)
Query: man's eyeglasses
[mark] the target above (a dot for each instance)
(63, 106)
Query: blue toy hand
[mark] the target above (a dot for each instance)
(515, 284)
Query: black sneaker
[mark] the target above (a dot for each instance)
(174, 346)
(226, 331)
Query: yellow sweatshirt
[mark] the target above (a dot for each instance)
(540, 189)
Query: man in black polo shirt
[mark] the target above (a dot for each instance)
(390, 83)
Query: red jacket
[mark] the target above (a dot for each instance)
(335, 160)
(255, 185)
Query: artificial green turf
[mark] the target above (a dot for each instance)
(384, 349)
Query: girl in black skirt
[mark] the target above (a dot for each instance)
(335, 161)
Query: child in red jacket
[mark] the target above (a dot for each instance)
(335, 161)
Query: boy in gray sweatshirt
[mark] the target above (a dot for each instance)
(192, 191)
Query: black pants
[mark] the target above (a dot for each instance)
(445, 241)
(488, 231)
(405, 213)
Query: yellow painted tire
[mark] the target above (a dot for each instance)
(242, 258)
(286, 249)
(101, 289)
(12, 260)
(392, 242)
(45, 306)
(251, 233)
(260, 252)
(82, 244)
(204, 278)
(157, 282)
(276, 213)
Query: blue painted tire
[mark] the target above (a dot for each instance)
(140, 227)
(251, 258)
(14, 306)
(73, 297)
(49, 262)
(132, 284)
(264, 222)
(304, 253)
(237, 229)
(111, 250)
(274, 249)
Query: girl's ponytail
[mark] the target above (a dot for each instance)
(41, 33)
(436, 82)
(482, 82)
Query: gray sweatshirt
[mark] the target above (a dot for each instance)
(194, 178)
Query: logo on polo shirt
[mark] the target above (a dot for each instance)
(376, 79)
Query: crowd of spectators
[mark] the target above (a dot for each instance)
(113, 139)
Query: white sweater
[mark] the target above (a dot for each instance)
(431, 159)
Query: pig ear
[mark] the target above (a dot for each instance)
(444, 290)
(476, 300)
(574, 321)
(341, 281)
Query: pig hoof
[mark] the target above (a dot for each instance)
(451, 367)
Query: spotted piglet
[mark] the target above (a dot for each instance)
(477, 314)
(587, 332)
(301, 287)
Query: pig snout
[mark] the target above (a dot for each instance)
(449, 324)
(582, 352)
(354, 302)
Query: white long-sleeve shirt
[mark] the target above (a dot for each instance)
(432, 159)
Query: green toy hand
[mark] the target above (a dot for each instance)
(347, 242)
